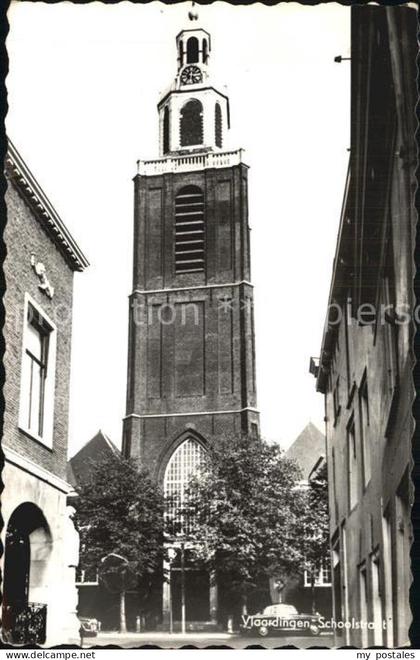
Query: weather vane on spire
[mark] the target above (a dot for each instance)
(193, 15)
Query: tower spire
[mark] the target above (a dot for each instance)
(193, 13)
(193, 114)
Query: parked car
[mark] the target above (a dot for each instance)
(89, 627)
(281, 619)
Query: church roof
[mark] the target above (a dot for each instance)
(82, 464)
(307, 449)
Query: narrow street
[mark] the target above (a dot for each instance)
(202, 640)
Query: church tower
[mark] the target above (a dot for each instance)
(191, 357)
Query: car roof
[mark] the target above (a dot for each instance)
(280, 608)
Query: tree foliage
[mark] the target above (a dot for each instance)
(315, 524)
(245, 509)
(119, 510)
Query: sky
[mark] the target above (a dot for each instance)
(83, 85)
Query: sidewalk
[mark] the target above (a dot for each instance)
(202, 640)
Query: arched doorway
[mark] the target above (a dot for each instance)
(27, 552)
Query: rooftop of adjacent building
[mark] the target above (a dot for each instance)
(81, 464)
(308, 450)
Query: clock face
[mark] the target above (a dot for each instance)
(191, 75)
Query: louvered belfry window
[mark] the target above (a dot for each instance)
(189, 230)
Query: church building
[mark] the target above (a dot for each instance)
(191, 355)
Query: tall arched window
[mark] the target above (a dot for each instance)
(192, 50)
(189, 230)
(218, 125)
(191, 127)
(184, 463)
(166, 130)
(205, 53)
(181, 53)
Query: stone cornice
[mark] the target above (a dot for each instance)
(193, 414)
(13, 457)
(191, 288)
(330, 332)
(19, 174)
(187, 90)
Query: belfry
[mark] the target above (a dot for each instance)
(191, 355)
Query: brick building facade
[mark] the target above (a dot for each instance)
(191, 360)
(41, 260)
(366, 363)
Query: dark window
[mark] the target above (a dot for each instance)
(165, 131)
(390, 330)
(364, 601)
(181, 53)
(192, 123)
(189, 230)
(389, 316)
(192, 50)
(353, 483)
(35, 371)
(364, 430)
(334, 483)
(218, 125)
(336, 399)
(205, 53)
(347, 321)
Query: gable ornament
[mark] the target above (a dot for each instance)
(40, 271)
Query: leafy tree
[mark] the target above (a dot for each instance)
(315, 526)
(119, 513)
(244, 510)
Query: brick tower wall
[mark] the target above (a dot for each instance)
(191, 335)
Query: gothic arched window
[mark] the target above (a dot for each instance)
(189, 230)
(184, 463)
(205, 54)
(191, 123)
(218, 125)
(166, 130)
(192, 50)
